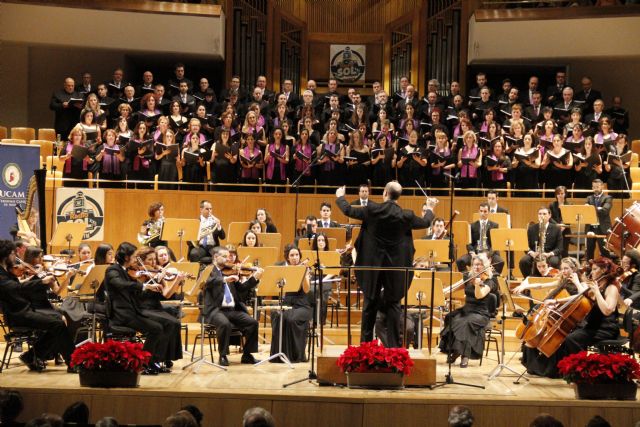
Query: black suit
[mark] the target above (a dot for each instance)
(552, 243)
(631, 289)
(126, 311)
(588, 99)
(65, 118)
(603, 208)
(465, 260)
(385, 240)
(499, 209)
(224, 319)
(186, 107)
(15, 304)
(332, 224)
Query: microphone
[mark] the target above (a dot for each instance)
(454, 177)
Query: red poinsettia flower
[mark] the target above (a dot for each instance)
(373, 356)
(111, 356)
(585, 367)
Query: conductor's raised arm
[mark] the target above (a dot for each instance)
(345, 207)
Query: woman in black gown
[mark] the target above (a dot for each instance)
(73, 167)
(463, 332)
(296, 320)
(600, 324)
(357, 167)
(526, 164)
(168, 159)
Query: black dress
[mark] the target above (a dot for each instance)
(597, 327)
(382, 171)
(223, 170)
(464, 328)
(294, 328)
(168, 171)
(73, 168)
(192, 171)
(526, 177)
(358, 173)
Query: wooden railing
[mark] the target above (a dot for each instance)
(132, 6)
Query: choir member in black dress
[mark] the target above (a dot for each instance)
(193, 164)
(253, 126)
(440, 160)
(303, 153)
(111, 159)
(296, 320)
(411, 163)
(276, 158)
(526, 164)
(224, 160)
(463, 332)
(330, 165)
(556, 216)
(149, 111)
(177, 122)
(606, 135)
(617, 168)
(382, 156)
(16, 301)
(90, 128)
(575, 141)
(206, 122)
(587, 165)
(151, 307)
(123, 292)
(557, 164)
(140, 155)
(99, 115)
(168, 158)
(74, 167)
(251, 161)
(358, 166)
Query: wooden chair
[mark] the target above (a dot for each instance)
(635, 174)
(634, 160)
(635, 146)
(3, 132)
(46, 147)
(47, 134)
(13, 141)
(23, 133)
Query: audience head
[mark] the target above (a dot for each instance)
(182, 418)
(392, 191)
(460, 416)
(107, 422)
(598, 421)
(11, 403)
(257, 417)
(545, 420)
(77, 413)
(195, 412)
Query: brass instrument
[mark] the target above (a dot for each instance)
(482, 245)
(205, 231)
(154, 230)
(23, 215)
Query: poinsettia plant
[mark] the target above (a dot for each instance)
(111, 356)
(375, 357)
(591, 368)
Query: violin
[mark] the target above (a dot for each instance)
(139, 274)
(172, 273)
(240, 269)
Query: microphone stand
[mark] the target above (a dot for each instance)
(625, 232)
(296, 185)
(448, 378)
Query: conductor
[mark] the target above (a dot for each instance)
(385, 240)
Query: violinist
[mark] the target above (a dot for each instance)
(36, 273)
(630, 290)
(151, 307)
(600, 323)
(123, 291)
(209, 235)
(296, 320)
(224, 309)
(463, 332)
(15, 298)
(438, 230)
(264, 218)
(249, 240)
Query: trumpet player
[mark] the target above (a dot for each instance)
(544, 238)
(481, 242)
(209, 235)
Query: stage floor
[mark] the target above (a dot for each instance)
(224, 396)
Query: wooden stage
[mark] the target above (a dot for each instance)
(224, 396)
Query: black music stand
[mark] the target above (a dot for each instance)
(425, 290)
(181, 230)
(90, 286)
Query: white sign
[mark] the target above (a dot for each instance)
(347, 62)
(82, 205)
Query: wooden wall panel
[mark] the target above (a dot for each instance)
(317, 414)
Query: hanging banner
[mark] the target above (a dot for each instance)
(82, 205)
(17, 163)
(348, 62)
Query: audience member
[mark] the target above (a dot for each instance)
(257, 417)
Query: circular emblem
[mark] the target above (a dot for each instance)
(347, 66)
(82, 208)
(12, 175)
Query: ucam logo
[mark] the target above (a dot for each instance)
(12, 175)
(347, 64)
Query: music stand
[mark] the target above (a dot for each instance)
(330, 260)
(437, 251)
(202, 280)
(236, 231)
(180, 230)
(579, 214)
(260, 256)
(338, 233)
(68, 234)
(305, 244)
(90, 286)
(425, 290)
(270, 240)
(275, 281)
(508, 240)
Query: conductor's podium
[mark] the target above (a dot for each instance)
(423, 372)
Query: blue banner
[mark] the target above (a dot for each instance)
(17, 163)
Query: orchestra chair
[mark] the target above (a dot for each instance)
(635, 173)
(635, 146)
(23, 133)
(236, 231)
(117, 333)
(211, 335)
(492, 332)
(14, 337)
(461, 235)
(634, 159)
(55, 161)
(46, 147)
(47, 134)
(3, 132)
(635, 187)
(13, 141)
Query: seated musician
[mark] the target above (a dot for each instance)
(600, 322)
(126, 311)
(224, 309)
(41, 296)
(438, 231)
(320, 242)
(630, 291)
(325, 216)
(15, 302)
(264, 218)
(165, 257)
(210, 234)
(151, 228)
(544, 238)
(481, 241)
(151, 307)
(463, 332)
(296, 320)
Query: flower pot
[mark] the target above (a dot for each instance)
(109, 379)
(616, 391)
(375, 380)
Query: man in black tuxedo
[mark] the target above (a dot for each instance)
(562, 109)
(126, 311)
(363, 196)
(492, 201)
(588, 95)
(325, 217)
(554, 93)
(534, 111)
(603, 203)
(15, 303)
(187, 102)
(86, 87)
(174, 83)
(66, 104)
(385, 240)
(481, 241)
(293, 99)
(553, 240)
(224, 309)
